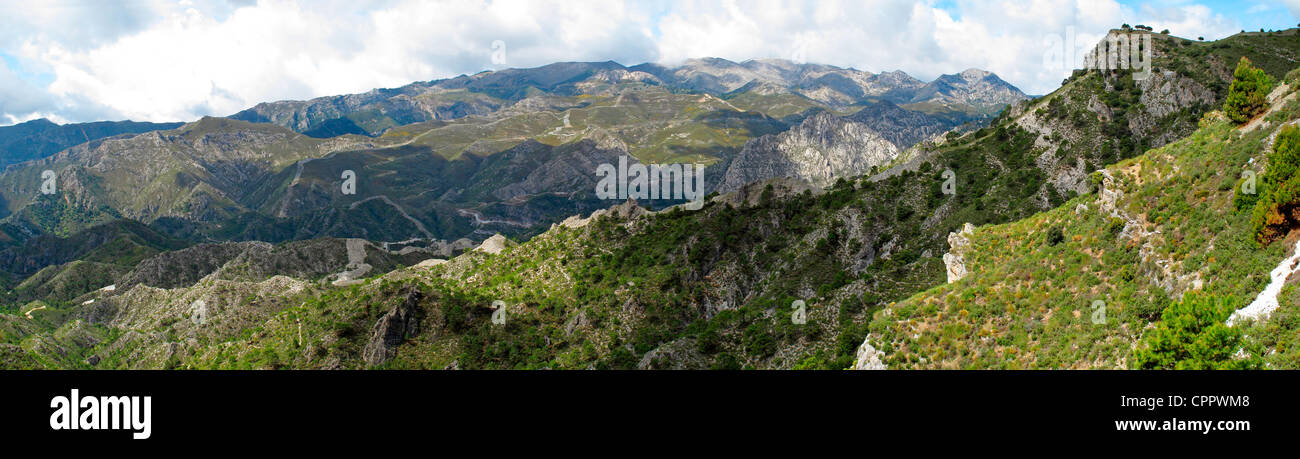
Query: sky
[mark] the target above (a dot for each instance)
(168, 60)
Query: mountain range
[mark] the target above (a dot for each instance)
(471, 156)
(227, 243)
(787, 88)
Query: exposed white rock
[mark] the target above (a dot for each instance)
(199, 312)
(575, 222)
(1108, 196)
(955, 259)
(493, 245)
(1163, 94)
(1266, 301)
(430, 263)
(869, 358)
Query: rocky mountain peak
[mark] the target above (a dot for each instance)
(974, 74)
(898, 78)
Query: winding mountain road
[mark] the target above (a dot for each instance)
(418, 225)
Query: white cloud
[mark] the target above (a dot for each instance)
(1006, 37)
(16, 96)
(163, 61)
(191, 63)
(1293, 5)
(84, 23)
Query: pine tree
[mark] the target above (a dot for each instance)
(1247, 97)
(1192, 335)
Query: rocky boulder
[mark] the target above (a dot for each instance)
(955, 259)
(393, 329)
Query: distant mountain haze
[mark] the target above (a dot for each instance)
(486, 92)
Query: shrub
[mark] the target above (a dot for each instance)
(1248, 95)
(1243, 200)
(708, 341)
(1095, 181)
(758, 342)
(1055, 236)
(1115, 225)
(726, 362)
(1292, 77)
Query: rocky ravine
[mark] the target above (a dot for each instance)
(825, 147)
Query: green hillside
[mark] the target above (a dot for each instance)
(729, 285)
(1158, 227)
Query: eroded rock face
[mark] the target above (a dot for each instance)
(955, 259)
(393, 329)
(1163, 94)
(199, 312)
(493, 245)
(822, 148)
(1161, 270)
(869, 358)
(676, 355)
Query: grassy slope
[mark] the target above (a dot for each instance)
(1028, 302)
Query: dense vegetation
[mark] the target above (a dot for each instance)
(1192, 335)
(1275, 211)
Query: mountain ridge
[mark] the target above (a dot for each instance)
(826, 84)
(718, 287)
(40, 138)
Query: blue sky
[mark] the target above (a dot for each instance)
(168, 60)
(1271, 15)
